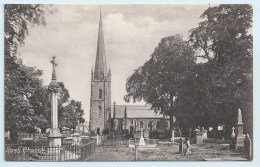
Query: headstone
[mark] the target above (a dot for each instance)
(146, 134)
(248, 147)
(181, 145)
(142, 142)
(204, 134)
(188, 146)
(238, 141)
(233, 133)
(198, 138)
(7, 135)
(172, 136)
(99, 140)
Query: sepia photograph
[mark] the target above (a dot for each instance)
(128, 82)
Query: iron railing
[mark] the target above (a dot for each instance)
(37, 151)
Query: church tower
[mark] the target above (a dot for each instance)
(100, 100)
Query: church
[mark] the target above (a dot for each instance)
(119, 118)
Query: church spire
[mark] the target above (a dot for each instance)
(101, 64)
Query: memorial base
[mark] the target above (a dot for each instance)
(141, 142)
(237, 143)
(54, 138)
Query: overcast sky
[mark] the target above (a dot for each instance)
(131, 33)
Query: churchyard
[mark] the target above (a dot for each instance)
(211, 150)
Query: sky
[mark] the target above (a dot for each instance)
(131, 32)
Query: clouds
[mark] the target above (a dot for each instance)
(131, 33)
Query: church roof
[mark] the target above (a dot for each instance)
(136, 111)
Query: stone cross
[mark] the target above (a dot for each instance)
(55, 136)
(53, 62)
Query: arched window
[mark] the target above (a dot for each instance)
(99, 110)
(157, 125)
(150, 125)
(100, 94)
(141, 124)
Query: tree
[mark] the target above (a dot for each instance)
(71, 114)
(224, 39)
(21, 82)
(20, 87)
(159, 80)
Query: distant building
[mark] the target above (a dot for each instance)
(137, 117)
(131, 117)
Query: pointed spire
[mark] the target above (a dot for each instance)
(101, 64)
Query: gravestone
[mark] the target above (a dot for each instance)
(248, 147)
(181, 145)
(142, 142)
(146, 134)
(238, 141)
(99, 140)
(188, 146)
(233, 133)
(198, 138)
(172, 136)
(204, 134)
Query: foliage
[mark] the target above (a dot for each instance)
(224, 40)
(159, 80)
(27, 101)
(71, 114)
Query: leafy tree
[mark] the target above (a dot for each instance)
(159, 80)
(224, 40)
(20, 87)
(21, 82)
(71, 114)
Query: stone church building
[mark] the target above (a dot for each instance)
(130, 117)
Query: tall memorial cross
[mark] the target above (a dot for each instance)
(55, 136)
(53, 62)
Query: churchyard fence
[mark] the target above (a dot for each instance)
(40, 151)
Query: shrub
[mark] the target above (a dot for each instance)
(154, 134)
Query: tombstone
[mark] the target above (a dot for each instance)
(188, 146)
(198, 138)
(142, 142)
(238, 140)
(248, 147)
(172, 136)
(233, 133)
(220, 131)
(99, 140)
(181, 145)
(146, 134)
(204, 134)
(7, 135)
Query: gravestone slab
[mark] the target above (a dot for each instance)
(198, 138)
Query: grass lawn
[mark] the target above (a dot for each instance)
(167, 152)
